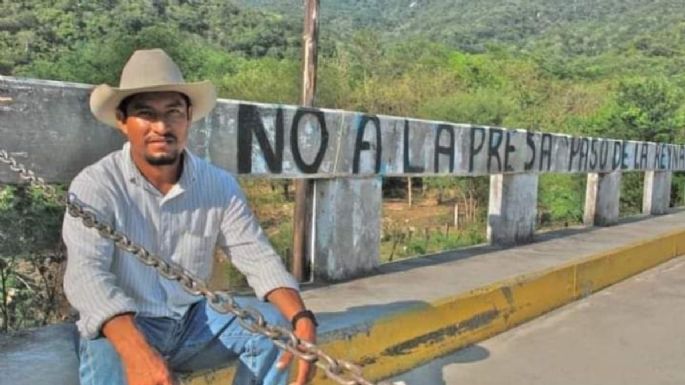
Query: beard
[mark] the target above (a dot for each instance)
(162, 159)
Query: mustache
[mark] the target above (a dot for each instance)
(157, 138)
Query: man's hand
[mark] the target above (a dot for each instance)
(289, 303)
(146, 367)
(305, 331)
(142, 364)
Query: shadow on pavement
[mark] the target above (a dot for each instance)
(432, 374)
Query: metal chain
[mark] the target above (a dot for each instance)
(343, 372)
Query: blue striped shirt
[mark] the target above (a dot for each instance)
(204, 210)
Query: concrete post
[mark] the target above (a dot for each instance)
(348, 227)
(656, 196)
(602, 198)
(512, 209)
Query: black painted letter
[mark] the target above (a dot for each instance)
(493, 147)
(603, 154)
(546, 150)
(475, 149)
(616, 156)
(249, 120)
(445, 150)
(531, 147)
(408, 167)
(508, 148)
(363, 145)
(295, 143)
(624, 155)
(574, 150)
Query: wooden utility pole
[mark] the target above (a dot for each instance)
(303, 209)
(456, 215)
(409, 192)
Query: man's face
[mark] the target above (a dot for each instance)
(156, 124)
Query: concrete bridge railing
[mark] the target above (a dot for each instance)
(47, 126)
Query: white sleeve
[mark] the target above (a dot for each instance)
(89, 283)
(244, 241)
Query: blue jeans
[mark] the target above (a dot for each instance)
(202, 339)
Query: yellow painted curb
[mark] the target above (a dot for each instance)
(404, 341)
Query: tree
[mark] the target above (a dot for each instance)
(647, 109)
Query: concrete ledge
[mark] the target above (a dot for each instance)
(396, 321)
(42, 356)
(416, 333)
(404, 341)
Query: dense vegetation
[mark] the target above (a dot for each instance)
(570, 28)
(598, 67)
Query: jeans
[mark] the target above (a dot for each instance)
(202, 339)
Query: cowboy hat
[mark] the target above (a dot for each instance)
(150, 71)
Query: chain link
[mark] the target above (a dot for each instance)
(343, 372)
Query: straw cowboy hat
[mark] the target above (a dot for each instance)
(150, 71)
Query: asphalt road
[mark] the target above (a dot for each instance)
(630, 333)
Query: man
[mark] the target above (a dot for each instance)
(137, 327)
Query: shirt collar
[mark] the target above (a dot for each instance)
(133, 174)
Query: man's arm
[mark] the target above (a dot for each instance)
(142, 364)
(248, 247)
(91, 288)
(289, 303)
(244, 241)
(89, 284)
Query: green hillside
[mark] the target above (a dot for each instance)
(572, 26)
(84, 37)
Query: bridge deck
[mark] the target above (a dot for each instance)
(631, 333)
(416, 310)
